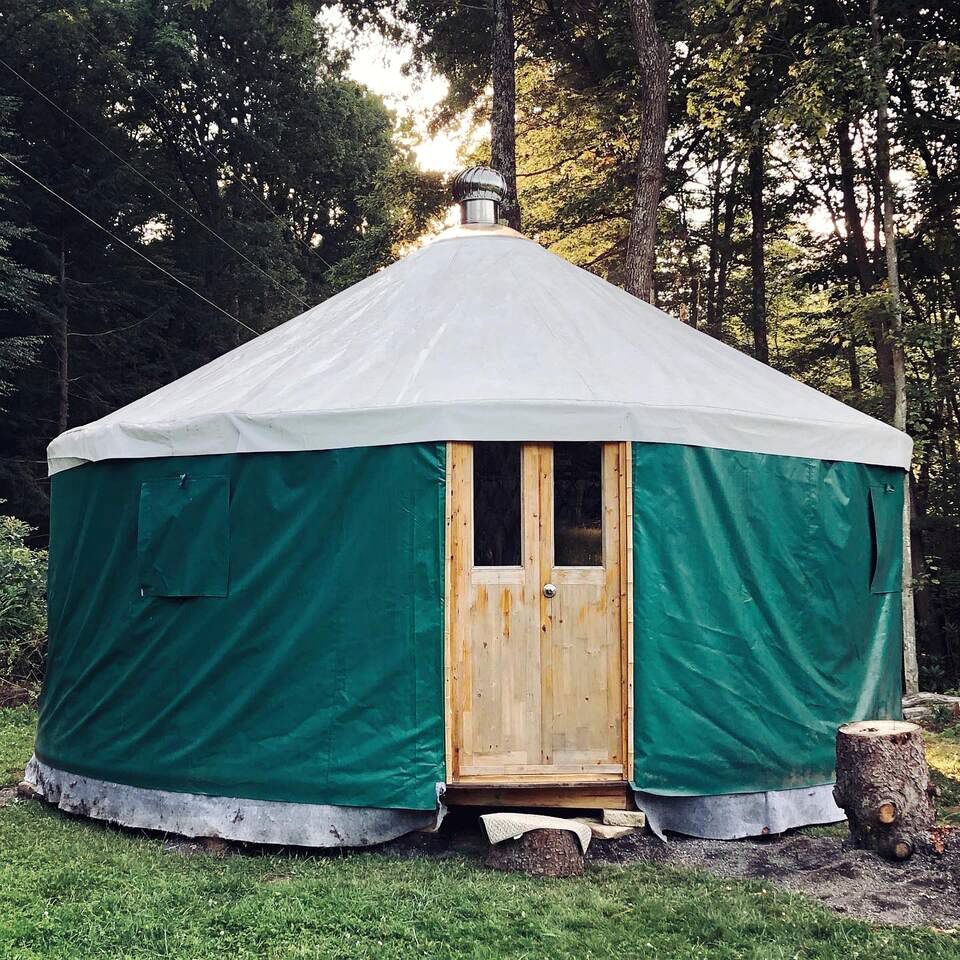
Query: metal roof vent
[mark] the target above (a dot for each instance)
(479, 191)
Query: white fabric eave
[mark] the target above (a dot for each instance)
(482, 335)
(872, 442)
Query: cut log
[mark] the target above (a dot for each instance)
(625, 818)
(605, 831)
(883, 786)
(544, 853)
(921, 705)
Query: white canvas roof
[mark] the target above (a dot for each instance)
(482, 335)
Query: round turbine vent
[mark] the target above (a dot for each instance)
(479, 191)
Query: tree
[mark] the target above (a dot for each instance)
(911, 677)
(503, 142)
(653, 57)
(227, 148)
(758, 312)
(19, 285)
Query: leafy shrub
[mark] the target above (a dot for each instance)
(23, 614)
(944, 719)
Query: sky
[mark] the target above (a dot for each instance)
(378, 64)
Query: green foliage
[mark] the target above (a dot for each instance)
(18, 284)
(573, 149)
(945, 720)
(23, 613)
(232, 151)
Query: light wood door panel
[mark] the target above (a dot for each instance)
(582, 710)
(495, 659)
(535, 685)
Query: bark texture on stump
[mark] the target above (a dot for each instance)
(883, 786)
(545, 853)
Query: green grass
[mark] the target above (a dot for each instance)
(943, 755)
(75, 889)
(70, 889)
(18, 725)
(826, 830)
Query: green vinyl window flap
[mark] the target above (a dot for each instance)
(183, 537)
(886, 509)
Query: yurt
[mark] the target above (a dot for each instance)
(481, 529)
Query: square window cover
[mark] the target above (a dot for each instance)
(183, 537)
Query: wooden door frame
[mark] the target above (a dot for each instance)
(626, 622)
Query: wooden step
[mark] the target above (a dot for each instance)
(591, 795)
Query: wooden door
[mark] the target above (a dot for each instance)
(536, 683)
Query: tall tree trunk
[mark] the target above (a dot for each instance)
(63, 344)
(503, 137)
(726, 246)
(853, 367)
(934, 641)
(911, 679)
(861, 266)
(877, 222)
(850, 349)
(758, 312)
(694, 299)
(712, 326)
(856, 241)
(653, 57)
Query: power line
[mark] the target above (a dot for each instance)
(152, 185)
(123, 242)
(213, 156)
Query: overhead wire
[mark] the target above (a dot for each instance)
(153, 186)
(312, 251)
(124, 243)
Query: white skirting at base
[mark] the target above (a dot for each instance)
(737, 815)
(232, 818)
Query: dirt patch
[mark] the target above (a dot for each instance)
(923, 891)
(12, 695)
(460, 836)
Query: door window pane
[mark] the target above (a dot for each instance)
(578, 504)
(496, 505)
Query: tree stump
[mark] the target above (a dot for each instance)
(883, 786)
(545, 853)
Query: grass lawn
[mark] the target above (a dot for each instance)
(75, 889)
(943, 755)
(17, 728)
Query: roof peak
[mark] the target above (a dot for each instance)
(473, 230)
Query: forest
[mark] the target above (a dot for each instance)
(176, 178)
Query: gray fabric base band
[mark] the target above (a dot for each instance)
(737, 815)
(232, 818)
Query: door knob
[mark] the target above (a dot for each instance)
(549, 591)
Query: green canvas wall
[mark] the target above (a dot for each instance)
(764, 615)
(266, 626)
(271, 625)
